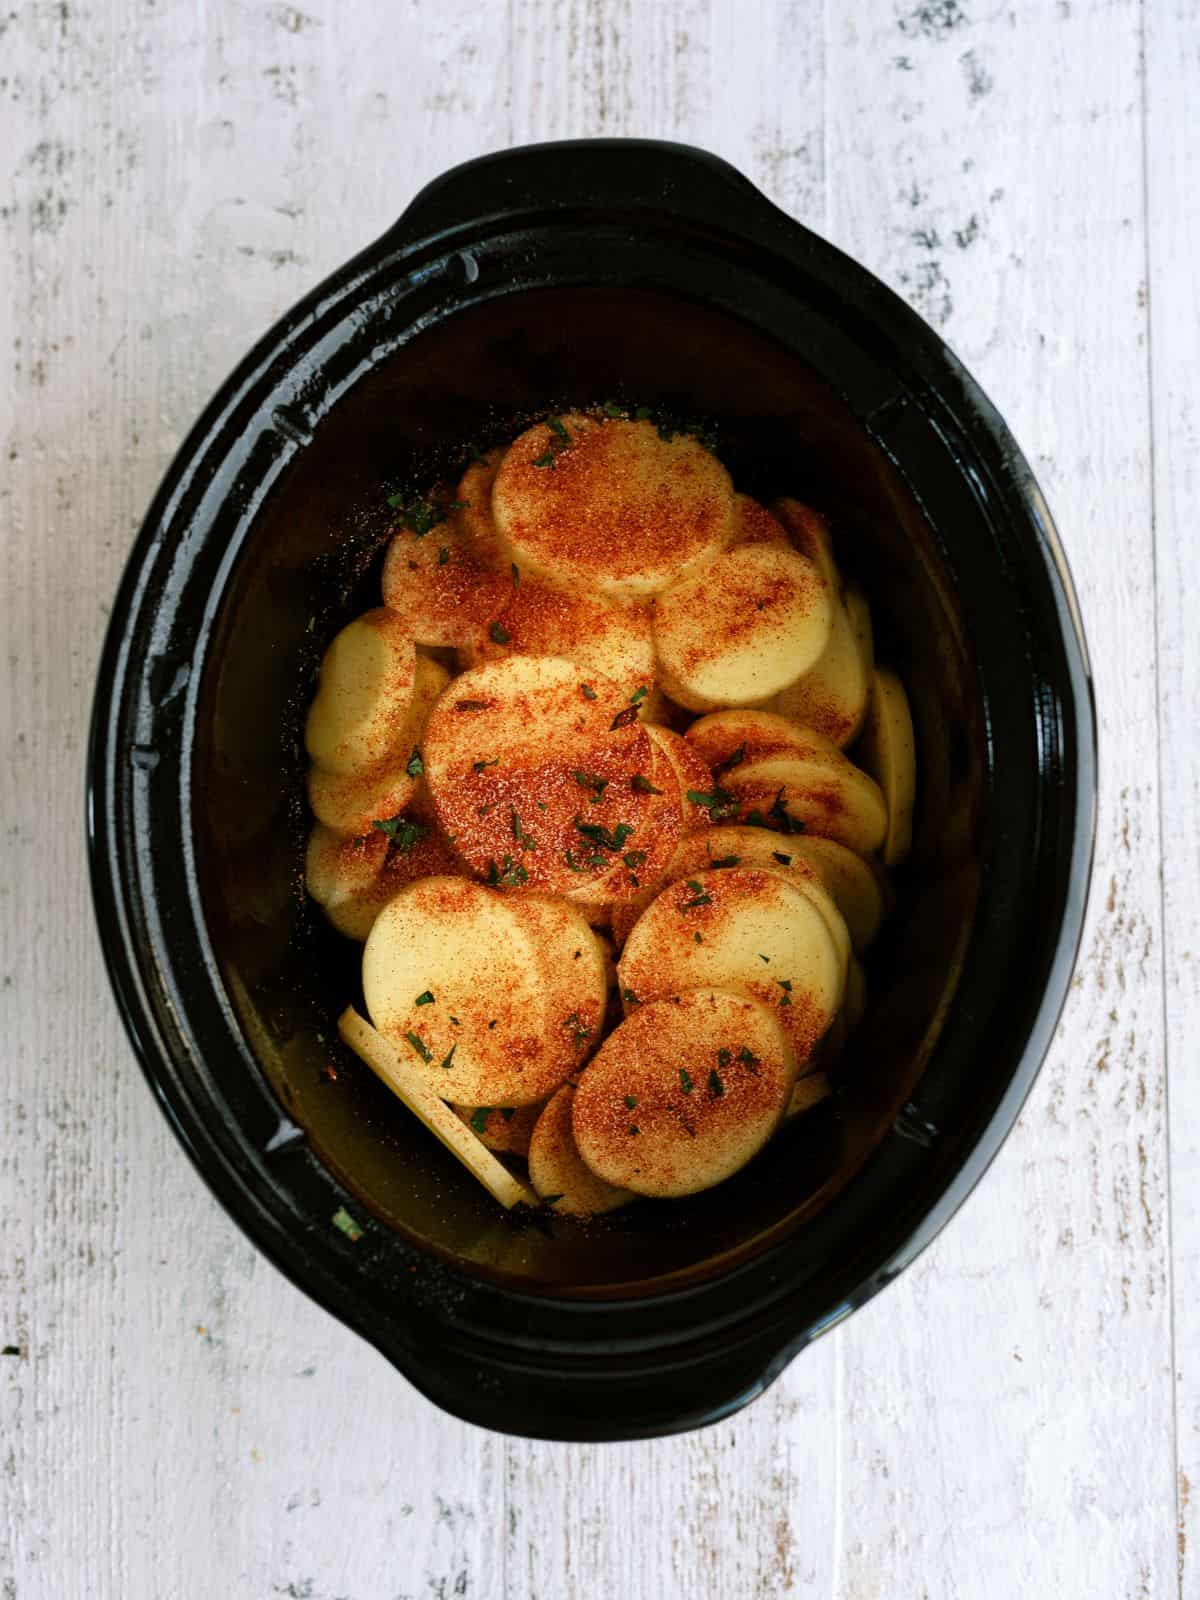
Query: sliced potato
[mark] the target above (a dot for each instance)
(350, 802)
(728, 739)
(444, 584)
(755, 524)
(683, 1093)
(574, 975)
(505, 1129)
(854, 883)
(723, 848)
(531, 769)
(388, 1064)
(342, 874)
(742, 627)
(888, 751)
(472, 514)
(610, 505)
(808, 531)
(604, 638)
(835, 799)
(692, 774)
(358, 718)
(806, 1093)
(657, 835)
(832, 696)
(482, 1037)
(557, 1171)
(743, 929)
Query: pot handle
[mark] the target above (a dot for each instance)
(612, 175)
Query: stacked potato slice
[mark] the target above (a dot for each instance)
(645, 742)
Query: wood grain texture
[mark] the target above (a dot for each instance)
(1172, 82)
(178, 1420)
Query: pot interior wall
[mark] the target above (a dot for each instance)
(314, 563)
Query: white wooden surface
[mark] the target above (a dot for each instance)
(1020, 1414)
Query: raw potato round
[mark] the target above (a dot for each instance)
(523, 754)
(888, 751)
(350, 802)
(691, 774)
(727, 740)
(445, 585)
(742, 628)
(506, 1130)
(854, 883)
(808, 531)
(746, 930)
(807, 1093)
(472, 515)
(359, 716)
(604, 638)
(683, 1093)
(342, 875)
(755, 524)
(574, 975)
(557, 1171)
(612, 506)
(832, 697)
(743, 847)
(836, 800)
(463, 944)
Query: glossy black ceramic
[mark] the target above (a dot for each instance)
(540, 278)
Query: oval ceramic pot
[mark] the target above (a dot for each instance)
(546, 277)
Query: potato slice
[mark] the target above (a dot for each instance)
(808, 532)
(359, 715)
(504, 1129)
(742, 628)
(602, 637)
(389, 1065)
(692, 774)
(725, 847)
(536, 774)
(644, 863)
(755, 524)
(483, 1036)
(557, 1171)
(611, 506)
(574, 975)
(854, 883)
(446, 584)
(832, 696)
(349, 802)
(683, 1093)
(806, 1093)
(746, 930)
(835, 799)
(728, 739)
(888, 751)
(472, 515)
(342, 874)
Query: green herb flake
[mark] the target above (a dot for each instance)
(558, 428)
(420, 514)
(419, 1046)
(699, 896)
(592, 782)
(415, 766)
(634, 859)
(748, 1059)
(498, 635)
(343, 1220)
(551, 1199)
(588, 692)
(725, 861)
(786, 985)
(781, 817)
(610, 408)
(402, 833)
(479, 1118)
(762, 957)
(631, 1101)
(716, 1087)
(630, 998)
(784, 860)
(549, 459)
(506, 876)
(634, 1129)
(724, 1057)
(605, 838)
(482, 766)
(685, 1080)
(720, 805)
(735, 760)
(443, 555)
(579, 1030)
(640, 784)
(638, 694)
(516, 575)
(425, 999)
(525, 840)
(623, 719)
